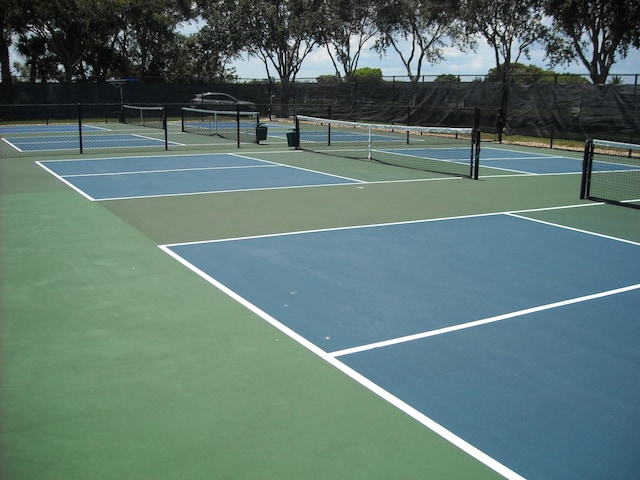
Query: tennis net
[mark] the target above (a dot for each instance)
(238, 126)
(153, 117)
(611, 172)
(450, 151)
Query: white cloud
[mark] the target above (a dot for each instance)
(456, 62)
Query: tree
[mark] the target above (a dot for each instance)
(509, 27)
(146, 33)
(523, 74)
(40, 62)
(418, 31)
(594, 32)
(348, 26)
(67, 36)
(281, 33)
(368, 75)
(203, 56)
(99, 37)
(529, 74)
(12, 20)
(288, 32)
(447, 78)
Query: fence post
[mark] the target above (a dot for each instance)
(587, 166)
(80, 126)
(165, 127)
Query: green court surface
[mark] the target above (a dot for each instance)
(119, 363)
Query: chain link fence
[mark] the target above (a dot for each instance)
(546, 112)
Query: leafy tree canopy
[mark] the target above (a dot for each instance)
(593, 32)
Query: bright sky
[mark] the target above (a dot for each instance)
(456, 62)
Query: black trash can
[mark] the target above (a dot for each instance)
(261, 133)
(291, 139)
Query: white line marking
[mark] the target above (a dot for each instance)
(215, 192)
(333, 229)
(297, 168)
(406, 222)
(484, 321)
(11, 144)
(573, 229)
(332, 359)
(536, 154)
(168, 170)
(520, 175)
(62, 179)
(362, 380)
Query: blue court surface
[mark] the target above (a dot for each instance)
(514, 339)
(53, 128)
(527, 162)
(72, 142)
(346, 137)
(136, 177)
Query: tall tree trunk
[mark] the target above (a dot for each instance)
(4, 58)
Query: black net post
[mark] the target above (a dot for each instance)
(587, 167)
(238, 124)
(475, 164)
(164, 126)
(80, 126)
(475, 161)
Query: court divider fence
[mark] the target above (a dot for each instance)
(93, 128)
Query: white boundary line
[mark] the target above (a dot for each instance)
(362, 380)
(265, 163)
(536, 154)
(154, 155)
(557, 225)
(216, 192)
(484, 321)
(297, 168)
(428, 220)
(332, 357)
(63, 180)
(332, 229)
(11, 144)
(167, 170)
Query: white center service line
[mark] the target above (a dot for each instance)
(476, 323)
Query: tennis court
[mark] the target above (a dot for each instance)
(53, 128)
(70, 142)
(293, 314)
(384, 316)
(107, 179)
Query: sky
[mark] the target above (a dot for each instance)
(455, 62)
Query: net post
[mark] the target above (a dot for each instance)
(238, 123)
(475, 144)
(587, 166)
(256, 129)
(164, 126)
(475, 164)
(472, 154)
(297, 133)
(80, 126)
